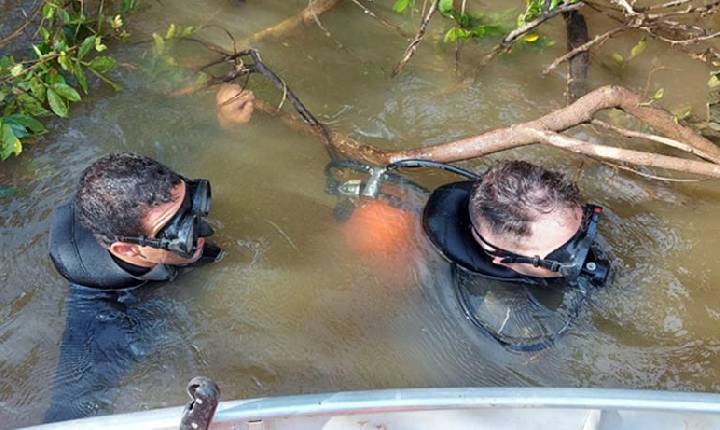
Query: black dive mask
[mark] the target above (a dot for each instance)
(572, 259)
(180, 234)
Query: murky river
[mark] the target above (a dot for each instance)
(293, 308)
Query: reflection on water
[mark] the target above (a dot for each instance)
(296, 306)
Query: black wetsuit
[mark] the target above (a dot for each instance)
(110, 323)
(446, 221)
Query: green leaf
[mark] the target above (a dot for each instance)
(26, 121)
(99, 46)
(158, 44)
(48, 10)
(79, 74)
(66, 92)
(171, 31)
(18, 130)
(31, 105)
(445, 7)
(660, 93)
(682, 112)
(401, 5)
(714, 81)
(63, 15)
(63, 61)
(456, 33)
(128, 5)
(189, 30)
(618, 57)
(102, 64)
(638, 48)
(10, 143)
(44, 34)
(57, 104)
(86, 46)
(37, 89)
(16, 70)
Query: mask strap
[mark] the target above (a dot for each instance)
(144, 241)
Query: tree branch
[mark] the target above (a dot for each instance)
(514, 35)
(599, 39)
(410, 50)
(637, 158)
(579, 112)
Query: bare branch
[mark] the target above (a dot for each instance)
(654, 138)
(597, 40)
(380, 19)
(637, 158)
(18, 31)
(514, 35)
(410, 50)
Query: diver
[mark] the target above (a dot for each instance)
(520, 242)
(132, 221)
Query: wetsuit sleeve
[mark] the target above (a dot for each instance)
(98, 348)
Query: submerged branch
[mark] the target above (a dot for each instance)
(597, 40)
(306, 16)
(577, 35)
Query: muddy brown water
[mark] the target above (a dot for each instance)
(293, 308)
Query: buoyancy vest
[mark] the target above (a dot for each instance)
(79, 258)
(446, 220)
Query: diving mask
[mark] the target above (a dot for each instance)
(180, 234)
(571, 260)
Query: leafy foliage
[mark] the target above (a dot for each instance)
(48, 78)
(162, 65)
(479, 25)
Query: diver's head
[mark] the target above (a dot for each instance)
(519, 209)
(143, 212)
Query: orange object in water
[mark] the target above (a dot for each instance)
(377, 227)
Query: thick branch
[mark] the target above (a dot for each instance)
(410, 50)
(579, 112)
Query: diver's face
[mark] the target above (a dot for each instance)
(548, 233)
(154, 220)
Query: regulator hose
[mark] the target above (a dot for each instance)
(435, 165)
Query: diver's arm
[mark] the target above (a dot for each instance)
(235, 105)
(98, 348)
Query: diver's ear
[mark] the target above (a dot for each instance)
(124, 249)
